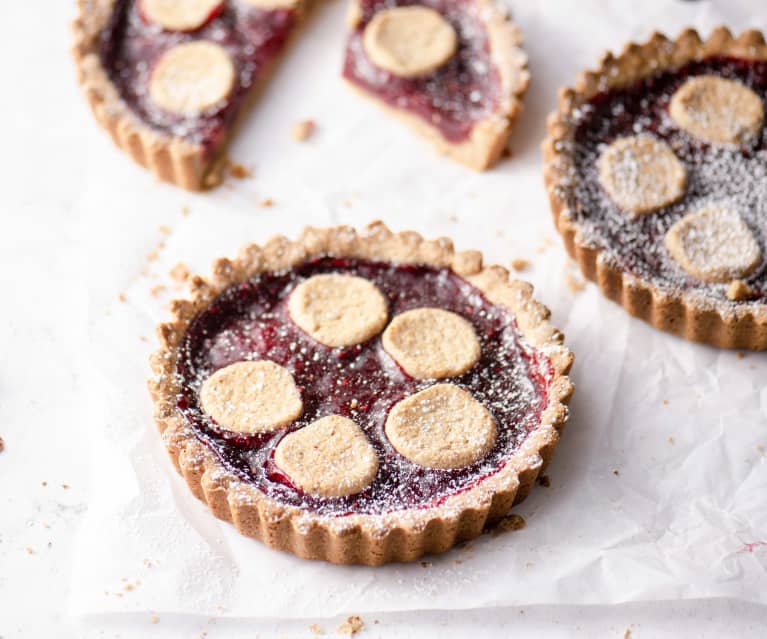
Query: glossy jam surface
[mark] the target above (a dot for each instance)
(251, 321)
(452, 98)
(131, 46)
(735, 176)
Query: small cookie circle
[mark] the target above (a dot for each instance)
(717, 110)
(409, 41)
(641, 174)
(338, 310)
(713, 244)
(192, 77)
(251, 397)
(179, 15)
(442, 426)
(432, 343)
(331, 457)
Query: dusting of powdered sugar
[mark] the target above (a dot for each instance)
(726, 176)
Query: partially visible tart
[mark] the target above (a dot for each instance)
(170, 79)
(338, 452)
(453, 70)
(656, 167)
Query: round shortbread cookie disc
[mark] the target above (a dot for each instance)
(442, 426)
(717, 110)
(432, 343)
(641, 174)
(251, 397)
(409, 41)
(713, 244)
(192, 77)
(338, 310)
(273, 4)
(331, 457)
(179, 15)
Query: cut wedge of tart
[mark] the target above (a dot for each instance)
(453, 70)
(169, 79)
(360, 397)
(655, 167)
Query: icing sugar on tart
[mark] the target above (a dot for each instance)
(693, 262)
(333, 437)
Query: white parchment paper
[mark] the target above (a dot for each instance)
(658, 486)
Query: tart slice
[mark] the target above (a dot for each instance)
(169, 79)
(452, 70)
(360, 397)
(655, 167)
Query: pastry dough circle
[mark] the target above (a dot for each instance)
(432, 343)
(641, 174)
(331, 457)
(442, 426)
(179, 15)
(192, 77)
(338, 310)
(251, 397)
(409, 41)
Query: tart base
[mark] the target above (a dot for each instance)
(371, 539)
(715, 323)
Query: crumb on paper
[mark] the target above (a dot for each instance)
(665, 402)
(238, 171)
(520, 264)
(266, 202)
(165, 230)
(351, 626)
(627, 634)
(143, 338)
(180, 272)
(44, 484)
(452, 217)
(122, 297)
(303, 130)
(499, 233)
(426, 564)
(157, 289)
(740, 354)
(30, 550)
(574, 283)
(616, 472)
(544, 480)
(457, 562)
(185, 210)
(154, 619)
(315, 629)
(670, 440)
(65, 486)
(509, 523)
(544, 245)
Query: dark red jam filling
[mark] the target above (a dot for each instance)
(730, 175)
(131, 46)
(363, 382)
(452, 98)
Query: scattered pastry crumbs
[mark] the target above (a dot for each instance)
(544, 481)
(670, 440)
(65, 486)
(156, 290)
(180, 272)
(457, 562)
(302, 130)
(154, 619)
(30, 550)
(740, 355)
(665, 402)
(520, 264)
(44, 484)
(165, 230)
(184, 211)
(574, 283)
(315, 629)
(267, 202)
(143, 338)
(351, 626)
(509, 523)
(239, 171)
(426, 564)
(544, 245)
(615, 472)
(627, 634)
(122, 297)
(452, 217)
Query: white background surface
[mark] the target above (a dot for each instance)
(75, 211)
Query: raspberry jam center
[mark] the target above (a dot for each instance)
(131, 46)
(452, 98)
(728, 175)
(250, 321)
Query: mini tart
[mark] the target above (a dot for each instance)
(388, 508)
(656, 89)
(170, 85)
(466, 103)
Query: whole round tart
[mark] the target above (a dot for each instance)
(360, 397)
(656, 167)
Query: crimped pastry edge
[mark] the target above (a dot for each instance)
(371, 539)
(710, 321)
(169, 158)
(489, 136)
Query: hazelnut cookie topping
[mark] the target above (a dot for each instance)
(399, 436)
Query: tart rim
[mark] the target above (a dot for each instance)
(488, 137)
(170, 158)
(371, 539)
(695, 317)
